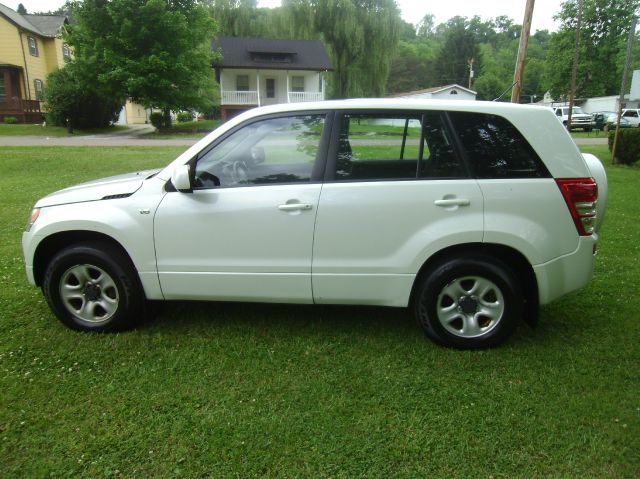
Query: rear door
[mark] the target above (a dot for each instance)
(395, 193)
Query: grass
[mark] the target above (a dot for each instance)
(39, 130)
(241, 390)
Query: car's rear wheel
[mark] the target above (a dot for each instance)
(470, 302)
(93, 287)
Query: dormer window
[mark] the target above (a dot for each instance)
(33, 46)
(271, 57)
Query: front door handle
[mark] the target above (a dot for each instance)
(452, 202)
(295, 207)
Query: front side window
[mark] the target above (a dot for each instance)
(33, 46)
(242, 83)
(495, 148)
(631, 114)
(395, 147)
(38, 89)
(275, 150)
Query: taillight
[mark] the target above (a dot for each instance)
(581, 195)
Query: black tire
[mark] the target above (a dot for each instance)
(94, 287)
(452, 315)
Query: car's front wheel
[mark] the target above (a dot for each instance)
(470, 302)
(93, 287)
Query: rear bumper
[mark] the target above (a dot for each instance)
(567, 273)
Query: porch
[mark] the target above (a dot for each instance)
(11, 102)
(253, 98)
(25, 111)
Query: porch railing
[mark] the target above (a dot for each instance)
(239, 97)
(301, 96)
(230, 97)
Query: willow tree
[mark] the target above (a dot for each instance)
(361, 36)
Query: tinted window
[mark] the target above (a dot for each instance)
(277, 150)
(395, 146)
(495, 148)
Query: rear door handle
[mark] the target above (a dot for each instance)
(452, 202)
(295, 207)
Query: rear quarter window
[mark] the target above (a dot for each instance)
(495, 148)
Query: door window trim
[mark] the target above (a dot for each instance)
(329, 176)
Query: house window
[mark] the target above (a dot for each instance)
(38, 87)
(242, 83)
(66, 53)
(33, 46)
(297, 84)
(3, 91)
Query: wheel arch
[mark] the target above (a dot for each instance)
(511, 257)
(54, 243)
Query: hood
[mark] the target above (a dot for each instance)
(106, 188)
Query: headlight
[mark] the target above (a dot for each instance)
(32, 219)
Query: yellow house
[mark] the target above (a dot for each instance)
(30, 49)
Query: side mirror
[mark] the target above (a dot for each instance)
(180, 179)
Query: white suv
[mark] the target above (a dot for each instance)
(470, 213)
(632, 115)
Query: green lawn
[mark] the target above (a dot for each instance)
(242, 390)
(39, 130)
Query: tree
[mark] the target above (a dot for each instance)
(21, 10)
(155, 52)
(459, 47)
(73, 101)
(605, 26)
(360, 35)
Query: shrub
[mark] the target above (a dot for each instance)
(184, 116)
(628, 147)
(73, 99)
(157, 119)
(10, 120)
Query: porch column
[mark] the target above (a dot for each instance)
(288, 89)
(258, 86)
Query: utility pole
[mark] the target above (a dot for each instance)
(518, 76)
(470, 73)
(623, 88)
(574, 70)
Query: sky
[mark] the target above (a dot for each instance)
(412, 10)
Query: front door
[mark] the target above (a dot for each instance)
(246, 231)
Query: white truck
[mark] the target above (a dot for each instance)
(579, 119)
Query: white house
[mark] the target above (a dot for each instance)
(257, 71)
(605, 103)
(447, 92)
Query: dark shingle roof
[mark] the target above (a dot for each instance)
(49, 25)
(272, 54)
(43, 25)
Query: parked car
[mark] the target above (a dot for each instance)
(605, 120)
(579, 119)
(470, 213)
(632, 115)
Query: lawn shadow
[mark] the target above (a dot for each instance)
(283, 318)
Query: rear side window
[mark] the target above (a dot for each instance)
(495, 148)
(395, 146)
